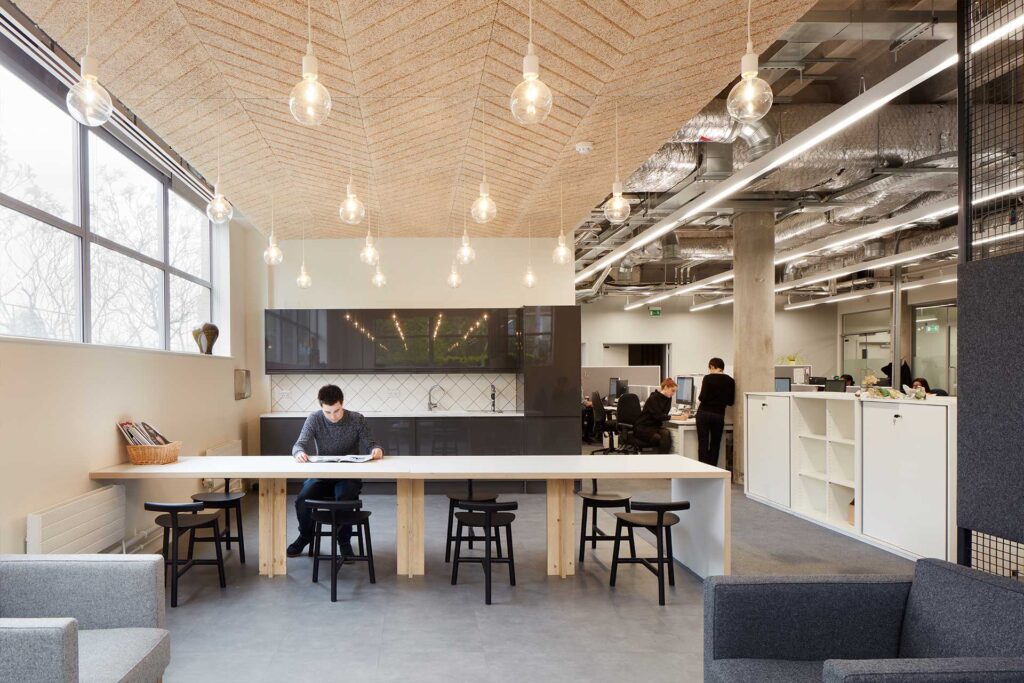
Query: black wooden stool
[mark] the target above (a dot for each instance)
(226, 500)
(340, 515)
(658, 518)
(453, 501)
(591, 503)
(175, 523)
(490, 517)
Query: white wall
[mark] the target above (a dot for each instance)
(416, 269)
(59, 403)
(697, 337)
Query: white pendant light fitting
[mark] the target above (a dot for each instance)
(352, 210)
(483, 209)
(378, 278)
(304, 281)
(616, 209)
(529, 277)
(531, 99)
(309, 101)
(272, 255)
(219, 209)
(454, 279)
(465, 254)
(751, 98)
(561, 254)
(369, 254)
(88, 102)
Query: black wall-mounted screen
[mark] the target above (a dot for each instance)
(389, 340)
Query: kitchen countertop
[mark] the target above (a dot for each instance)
(412, 413)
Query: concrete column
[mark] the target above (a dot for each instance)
(753, 318)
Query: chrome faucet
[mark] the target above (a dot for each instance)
(431, 403)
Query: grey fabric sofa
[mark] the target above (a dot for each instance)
(946, 624)
(82, 618)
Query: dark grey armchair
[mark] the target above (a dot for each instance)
(946, 624)
(82, 618)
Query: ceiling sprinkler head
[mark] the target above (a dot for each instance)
(584, 147)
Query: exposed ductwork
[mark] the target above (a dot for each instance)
(714, 124)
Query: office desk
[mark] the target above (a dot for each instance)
(701, 540)
(684, 438)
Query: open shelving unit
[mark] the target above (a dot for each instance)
(825, 480)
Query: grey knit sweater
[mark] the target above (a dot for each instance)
(349, 436)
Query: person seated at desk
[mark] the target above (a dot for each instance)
(648, 429)
(717, 391)
(334, 431)
(848, 379)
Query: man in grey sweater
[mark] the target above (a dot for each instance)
(333, 431)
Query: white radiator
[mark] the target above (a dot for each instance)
(90, 523)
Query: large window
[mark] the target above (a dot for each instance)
(95, 243)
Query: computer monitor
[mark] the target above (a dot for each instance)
(837, 385)
(820, 381)
(613, 388)
(684, 390)
(784, 384)
(623, 388)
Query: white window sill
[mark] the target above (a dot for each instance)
(7, 339)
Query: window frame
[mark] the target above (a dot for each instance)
(32, 75)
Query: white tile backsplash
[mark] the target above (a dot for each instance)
(396, 392)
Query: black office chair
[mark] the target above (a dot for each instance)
(341, 516)
(629, 412)
(658, 518)
(490, 517)
(603, 424)
(940, 392)
(176, 523)
(453, 500)
(226, 500)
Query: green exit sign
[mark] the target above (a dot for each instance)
(654, 311)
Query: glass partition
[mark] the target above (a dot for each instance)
(935, 345)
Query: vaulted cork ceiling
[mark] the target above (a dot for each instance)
(415, 84)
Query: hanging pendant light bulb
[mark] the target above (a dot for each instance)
(465, 254)
(529, 277)
(561, 254)
(531, 99)
(483, 209)
(454, 279)
(369, 254)
(272, 255)
(304, 281)
(309, 101)
(219, 210)
(378, 278)
(616, 209)
(751, 98)
(89, 102)
(352, 210)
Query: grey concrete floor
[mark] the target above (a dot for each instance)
(424, 629)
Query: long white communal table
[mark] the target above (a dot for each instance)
(701, 541)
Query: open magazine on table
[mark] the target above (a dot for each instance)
(340, 458)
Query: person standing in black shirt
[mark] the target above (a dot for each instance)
(648, 428)
(717, 391)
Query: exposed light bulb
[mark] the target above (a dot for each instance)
(616, 209)
(352, 210)
(309, 101)
(484, 209)
(561, 254)
(454, 279)
(304, 281)
(219, 210)
(465, 254)
(378, 278)
(89, 102)
(273, 255)
(531, 99)
(529, 278)
(751, 98)
(369, 255)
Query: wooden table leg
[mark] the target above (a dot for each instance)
(273, 522)
(561, 528)
(409, 531)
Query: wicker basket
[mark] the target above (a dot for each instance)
(154, 455)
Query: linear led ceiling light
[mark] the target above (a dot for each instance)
(839, 298)
(998, 33)
(939, 59)
(711, 304)
(686, 289)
